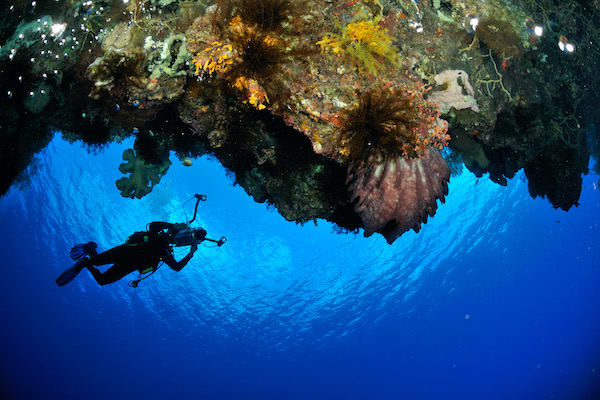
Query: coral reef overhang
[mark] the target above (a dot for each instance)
(271, 99)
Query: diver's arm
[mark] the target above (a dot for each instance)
(178, 265)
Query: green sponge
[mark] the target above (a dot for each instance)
(144, 175)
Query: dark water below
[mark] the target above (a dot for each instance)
(496, 298)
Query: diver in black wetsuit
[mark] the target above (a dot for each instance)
(142, 252)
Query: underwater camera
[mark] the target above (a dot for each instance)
(187, 237)
(190, 236)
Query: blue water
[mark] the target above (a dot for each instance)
(496, 298)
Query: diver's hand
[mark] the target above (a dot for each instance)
(193, 248)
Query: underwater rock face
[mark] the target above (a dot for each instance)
(137, 72)
(298, 98)
(350, 96)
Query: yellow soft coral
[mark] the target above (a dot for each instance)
(329, 43)
(215, 58)
(365, 42)
(370, 33)
(240, 29)
(254, 93)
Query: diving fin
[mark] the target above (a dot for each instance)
(81, 250)
(72, 272)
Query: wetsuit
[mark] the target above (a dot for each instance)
(130, 257)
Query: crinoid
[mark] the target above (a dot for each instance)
(250, 48)
(384, 125)
(259, 56)
(255, 67)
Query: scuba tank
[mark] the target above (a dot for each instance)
(138, 238)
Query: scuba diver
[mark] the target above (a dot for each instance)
(142, 252)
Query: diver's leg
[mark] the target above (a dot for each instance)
(110, 256)
(111, 275)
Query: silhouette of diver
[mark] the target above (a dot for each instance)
(142, 252)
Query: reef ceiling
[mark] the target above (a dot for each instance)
(353, 111)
